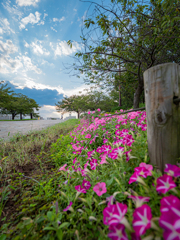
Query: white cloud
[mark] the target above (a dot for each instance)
(28, 65)
(45, 15)
(5, 28)
(38, 48)
(58, 20)
(41, 23)
(27, 2)
(13, 10)
(30, 19)
(63, 49)
(7, 47)
(46, 35)
(26, 44)
(75, 9)
(53, 29)
(46, 62)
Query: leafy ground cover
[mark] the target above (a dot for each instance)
(101, 186)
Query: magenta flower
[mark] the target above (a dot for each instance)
(127, 155)
(142, 171)
(117, 126)
(165, 183)
(117, 232)
(113, 155)
(80, 189)
(93, 164)
(68, 207)
(142, 219)
(134, 178)
(74, 161)
(135, 237)
(171, 226)
(118, 132)
(107, 213)
(106, 149)
(88, 136)
(148, 167)
(170, 204)
(172, 170)
(120, 210)
(86, 184)
(63, 168)
(100, 188)
(139, 201)
(103, 159)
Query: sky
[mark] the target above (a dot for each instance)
(34, 50)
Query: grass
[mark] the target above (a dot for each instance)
(24, 160)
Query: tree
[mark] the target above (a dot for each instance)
(127, 36)
(76, 103)
(19, 104)
(5, 94)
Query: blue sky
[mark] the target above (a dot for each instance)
(33, 48)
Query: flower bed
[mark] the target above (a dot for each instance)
(108, 189)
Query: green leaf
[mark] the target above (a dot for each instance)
(59, 234)
(3, 237)
(51, 216)
(65, 224)
(49, 228)
(109, 182)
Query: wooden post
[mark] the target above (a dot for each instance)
(161, 86)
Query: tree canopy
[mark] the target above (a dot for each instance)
(128, 37)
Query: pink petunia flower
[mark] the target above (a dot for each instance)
(86, 184)
(128, 156)
(98, 109)
(107, 213)
(63, 168)
(165, 183)
(100, 188)
(74, 161)
(117, 232)
(93, 164)
(120, 210)
(142, 219)
(88, 136)
(139, 201)
(170, 223)
(172, 170)
(103, 159)
(68, 207)
(148, 167)
(135, 237)
(170, 204)
(80, 189)
(142, 171)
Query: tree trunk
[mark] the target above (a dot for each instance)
(31, 115)
(78, 114)
(161, 86)
(120, 96)
(13, 116)
(137, 96)
(21, 116)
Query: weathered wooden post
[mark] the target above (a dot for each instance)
(161, 87)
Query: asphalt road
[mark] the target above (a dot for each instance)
(9, 128)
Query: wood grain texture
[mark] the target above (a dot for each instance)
(161, 86)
